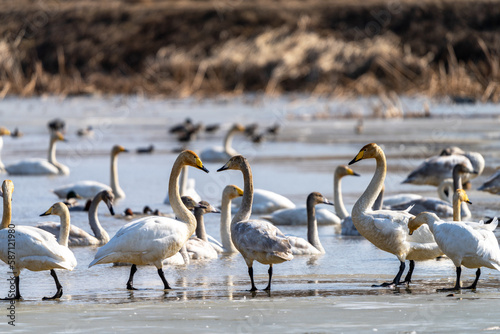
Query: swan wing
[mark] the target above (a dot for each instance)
(435, 169)
(200, 249)
(32, 167)
(85, 189)
(300, 246)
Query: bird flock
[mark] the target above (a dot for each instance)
(411, 227)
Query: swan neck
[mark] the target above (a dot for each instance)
(7, 211)
(312, 227)
(225, 225)
(200, 224)
(457, 180)
(99, 232)
(65, 227)
(445, 186)
(115, 186)
(337, 197)
(246, 202)
(52, 152)
(457, 216)
(180, 210)
(228, 140)
(365, 202)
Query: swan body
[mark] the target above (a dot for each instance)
(89, 189)
(79, 237)
(311, 246)
(3, 132)
(298, 216)
(150, 240)
(222, 153)
(492, 185)
(462, 243)
(38, 250)
(35, 166)
(386, 229)
(256, 240)
(266, 201)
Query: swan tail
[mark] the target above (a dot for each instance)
(102, 259)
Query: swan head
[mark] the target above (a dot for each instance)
(461, 196)
(206, 207)
(317, 198)
(58, 136)
(4, 131)
(108, 198)
(368, 151)
(231, 191)
(422, 218)
(58, 209)
(189, 202)
(7, 189)
(451, 150)
(236, 162)
(343, 170)
(189, 158)
(118, 149)
(462, 168)
(238, 127)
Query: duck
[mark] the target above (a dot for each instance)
(266, 201)
(463, 244)
(88, 189)
(438, 168)
(150, 240)
(79, 237)
(222, 153)
(187, 186)
(36, 166)
(229, 193)
(256, 240)
(311, 246)
(37, 250)
(387, 229)
(3, 132)
(72, 203)
(88, 131)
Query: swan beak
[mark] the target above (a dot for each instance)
(225, 167)
(47, 213)
(214, 210)
(411, 232)
(354, 173)
(469, 202)
(357, 158)
(110, 208)
(125, 150)
(474, 172)
(4, 131)
(199, 164)
(327, 202)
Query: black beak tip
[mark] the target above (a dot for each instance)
(352, 161)
(355, 174)
(204, 169)
(221, 169)
(43, 214)
(111, 210)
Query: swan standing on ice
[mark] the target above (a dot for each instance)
(3, 132)
(311, 246)
(256, 240)
(219, 153)
(386, 229)
(37, 166)
(77, 236)
(89, 189)
(150, 240)
(37, 250)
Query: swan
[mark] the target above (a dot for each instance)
(219, 153)
(462, 243)
(311, 246)
(386, 229)
(450, 186)
(187, 187)
(89, 189)
(6, 194)
(3, 132)
(77, 236)
(37, 250)
(256, 240)
(265, 201)
(438, 168)
(492, 185)
(150, 240)
(36, 166)
(229, 193)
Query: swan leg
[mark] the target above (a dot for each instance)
(18, 293)
(250, 272)
(130, 282)
(58, 286)
(473, 286)
(270, 272)
(457, 283)
(163, 279)
(396, 280)
(410, 272)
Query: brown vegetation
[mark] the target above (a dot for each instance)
(188, 47)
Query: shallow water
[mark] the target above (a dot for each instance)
(320, 294)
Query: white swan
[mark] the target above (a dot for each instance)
(37, 250)
(219, 153)
(298, 216)
(229, 193)
(3, 132)
(347, 226)
(187, 187)
(150, 240)
(79, 237)
(36, 166)
(450, 186)
(463, 244)
(438, 168)
(256, 240)
(265, 201)
(386, 229)
(492, 185)
(89, 189)
(311, 246)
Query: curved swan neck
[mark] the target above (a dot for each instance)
(52, 152)
(446, 186)
(457, 215)
(183, 180)
(99, 232)
(365, 202)
(7, 211)
(312, 226)
(200, 224)
(228, 140)
(337, 197)
(246, 202)
(180, 210)
(115, 186)
(225, 225)
(65, 227)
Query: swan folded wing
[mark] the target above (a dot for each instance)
(387, 221)
(32, 166)
(301, 246)
(85, 189)
(435, 169)
(77, 236)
